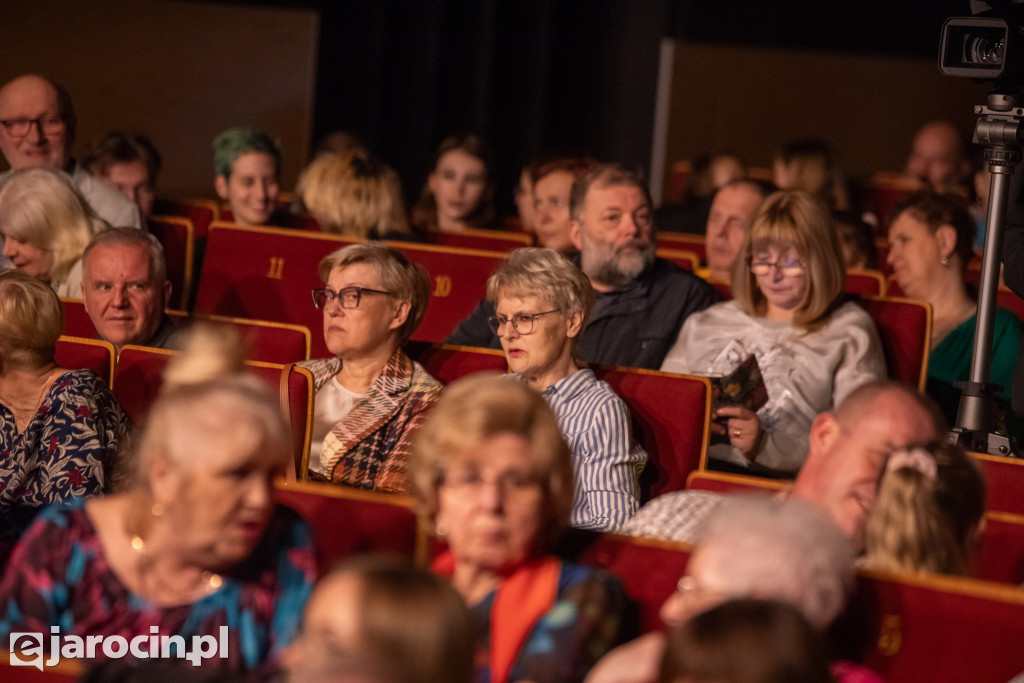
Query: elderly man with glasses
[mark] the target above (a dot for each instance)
(37, 129)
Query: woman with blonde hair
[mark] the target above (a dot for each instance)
(46, 225)
(195, 548)
(493, 477)
(542, 303)
(811, 166)
(355, 194)
(812, 348)
(60, 430)
(928, 511)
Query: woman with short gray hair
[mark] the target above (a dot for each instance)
(542, 302)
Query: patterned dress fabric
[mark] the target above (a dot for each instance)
(60, 576)
(67, 451)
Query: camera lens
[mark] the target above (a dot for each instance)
(983, 51)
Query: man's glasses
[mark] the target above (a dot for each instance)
(788, 267)
(349, 297)
(521, 322)
(48, 125)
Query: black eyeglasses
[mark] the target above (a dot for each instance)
(349, 297)
(48, 125)
(521, 322)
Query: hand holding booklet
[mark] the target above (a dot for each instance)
(742, 387)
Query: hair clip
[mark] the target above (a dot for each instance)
(915, 458)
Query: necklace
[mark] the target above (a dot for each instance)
(206, 582)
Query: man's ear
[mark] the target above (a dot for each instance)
(168, 288)
(576, 234)
(824, 432)
(220, 184)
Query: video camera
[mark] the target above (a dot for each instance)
(986, 46)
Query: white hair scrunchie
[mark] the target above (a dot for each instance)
(915, 458)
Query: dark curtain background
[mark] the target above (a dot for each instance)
(543, 77)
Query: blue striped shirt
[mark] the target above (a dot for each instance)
(606, 461)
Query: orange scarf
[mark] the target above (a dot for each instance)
(522, 599)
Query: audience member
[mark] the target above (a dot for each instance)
(37, 131)
(338, 142)
(125, 289)
(840, 475)
(459, 193)
(370, 396)
(493, 477)
(127, 161)
(812, 349)
(60, 430)
(937, 158)
(642, 301)
(745, 641)
(542, 304)
(46, 226)
(856, 239)
(247, 166)
(354, 194)
(196, 547)
(709, 173)
(523, 195)
(382, 619)
(752, 546)
(928, 513)
(551, 189)
(810, 165)
(930, 242)
(732, 213)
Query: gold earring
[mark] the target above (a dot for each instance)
(157, 510)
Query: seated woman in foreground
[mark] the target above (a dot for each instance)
(493, 478)
(542, 303)
(60, 430)
(812, 348)
(196, 548)
(370, 397)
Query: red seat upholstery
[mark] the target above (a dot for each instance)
(458, 281)
(77, 322)
(265, 274)
(76, 353)
(681, 257)
(268, 341)
(448, 363)
(176, 236)
(347, 521)
(201, 212)
(671, 417)
(677, 240)
(138, 377)
(1004, 482)
(678, 180)
(494, 240)
(865, 283)
(1000, 552)
(905, 328)
(882, 193)
(723, 482)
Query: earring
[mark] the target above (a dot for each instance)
(157, 510)
(440, 529)
(944, 260)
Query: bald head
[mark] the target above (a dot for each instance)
(848, 449)
(937, 156)
(38, 123)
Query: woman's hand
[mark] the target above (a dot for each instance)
(743, 429)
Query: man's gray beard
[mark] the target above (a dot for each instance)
(619, 272)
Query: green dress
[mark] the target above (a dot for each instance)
(950, 362)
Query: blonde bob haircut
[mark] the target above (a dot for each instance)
(353, 193)
(40, 206)
(925, 524)
(206, 404)
(31, 320)
(545, 273)
(797, 219)
(403, 279)
(480, 406)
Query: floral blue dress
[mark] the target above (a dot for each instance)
(59, 576)
(67, 451)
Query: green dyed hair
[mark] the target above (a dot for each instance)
(234, 142)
